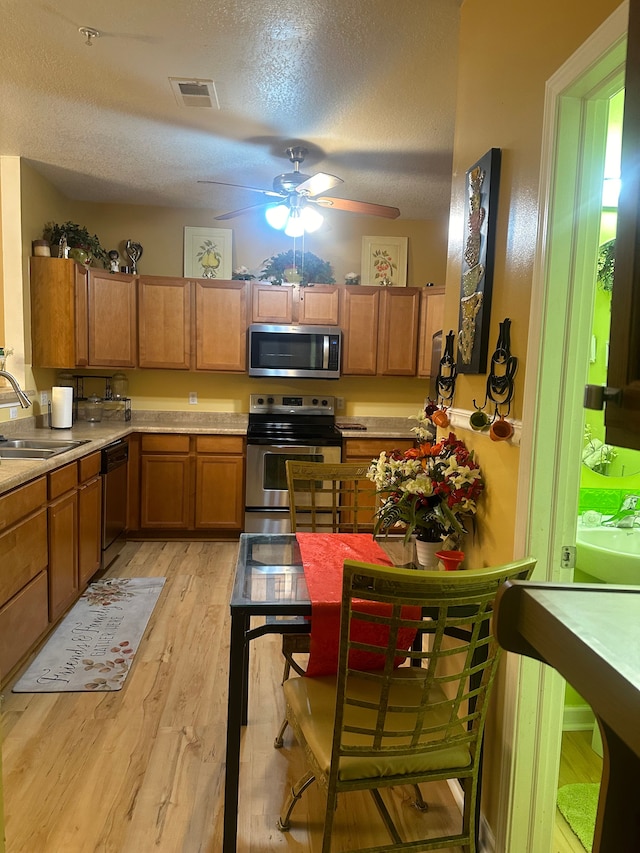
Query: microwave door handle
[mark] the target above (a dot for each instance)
(325, 352)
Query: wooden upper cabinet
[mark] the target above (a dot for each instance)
(398, 331)
(112, 319)
(314, 305)
(164, 322)
(431, 321)
(271, 303)
(58, 313)
(318, 305)
(221, 325)
(359, 318)
(380, 327)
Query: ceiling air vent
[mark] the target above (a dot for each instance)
(192, 92)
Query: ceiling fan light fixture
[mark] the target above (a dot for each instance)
(311, 219)
(277, 216)
(295, 225)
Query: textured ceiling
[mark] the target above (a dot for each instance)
(367, 85)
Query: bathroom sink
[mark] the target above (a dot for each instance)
(35, 448)
(609, 554)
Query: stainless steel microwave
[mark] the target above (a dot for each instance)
(302, 352)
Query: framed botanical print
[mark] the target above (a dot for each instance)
(384, 261)
(207, 252)
(480, 213)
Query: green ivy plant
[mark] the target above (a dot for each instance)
(606, 265)
(78, 237)
(310, 267)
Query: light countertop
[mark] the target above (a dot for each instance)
(16, 472)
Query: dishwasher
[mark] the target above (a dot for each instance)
(114, 499)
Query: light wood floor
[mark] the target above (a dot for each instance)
(142, 769)
(578, 763)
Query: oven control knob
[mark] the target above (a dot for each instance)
(270, 401)
(315, 401)
(260, 401)
(325, 402)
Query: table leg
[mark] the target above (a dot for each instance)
(238, 659)
(618, 820)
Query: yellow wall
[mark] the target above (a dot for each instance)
(507, 52)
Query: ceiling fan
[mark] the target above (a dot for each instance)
(299, 197)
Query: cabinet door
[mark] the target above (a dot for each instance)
(363, 451)
(165, 491)
(56, 317)
(164, 323)
(398, 331)
(221, 325)
(89, 530)
(359, 317)
(318, 305)
(271, 303)
(431, 321)
(23, 620)
(219, 492)
(63, 554)
(112, 319)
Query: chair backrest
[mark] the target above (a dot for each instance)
(405, 710)
(325, 497)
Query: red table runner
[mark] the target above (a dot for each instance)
(323, 556)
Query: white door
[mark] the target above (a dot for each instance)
(572, 168)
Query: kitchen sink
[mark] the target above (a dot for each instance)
(35, 448)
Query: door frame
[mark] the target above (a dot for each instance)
(575, 120)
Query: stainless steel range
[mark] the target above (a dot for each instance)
(280, 428)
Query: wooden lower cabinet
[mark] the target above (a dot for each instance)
(364, 450)
(191, 482)
(89, 518)
(63, 554)
(219, 483)
(24, 612)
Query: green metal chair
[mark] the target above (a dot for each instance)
(424, 722)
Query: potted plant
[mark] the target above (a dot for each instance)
(83, 246)
(309, 268)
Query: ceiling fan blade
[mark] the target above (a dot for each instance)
(321, 182)
(242, 210)
(364, 207)
(242, 187)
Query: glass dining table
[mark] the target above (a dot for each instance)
(270, 585)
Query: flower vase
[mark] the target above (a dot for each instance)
(426, 554)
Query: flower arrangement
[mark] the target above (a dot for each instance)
(597, 455)
(310, 267)
(242, 274)
(352, 278)
(431, 489)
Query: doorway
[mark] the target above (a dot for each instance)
(572, 171)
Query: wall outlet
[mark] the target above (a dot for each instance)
(193, 398)
(44, 398)
(339, 404)
(13, 412)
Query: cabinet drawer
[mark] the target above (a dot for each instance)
(23, 553)
(220, 444)
(358, 448)
(19, 503)
(22, 622)
(89, 467)
(63, 480)
(165, 444)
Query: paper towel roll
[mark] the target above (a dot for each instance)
(61, 407)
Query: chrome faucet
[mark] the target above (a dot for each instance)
(628, 515)
(25, 402)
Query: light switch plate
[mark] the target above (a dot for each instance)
(193, 397)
